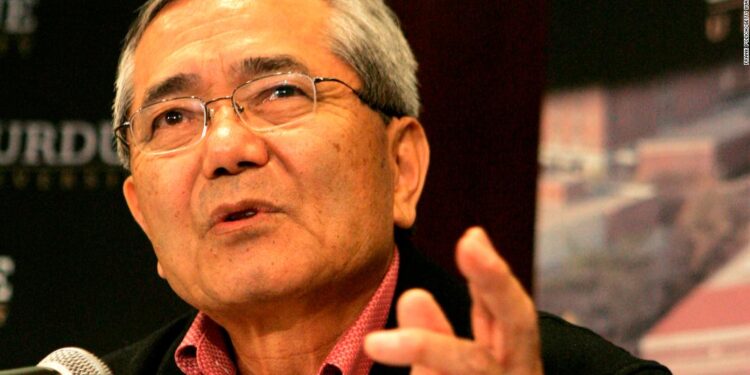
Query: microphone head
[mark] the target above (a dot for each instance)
(74, 361)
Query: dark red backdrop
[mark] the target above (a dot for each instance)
(481, 74)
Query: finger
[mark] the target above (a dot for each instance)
(426, 349)
(491, 281)
(418, 309)
(503, 315)
(482, 323)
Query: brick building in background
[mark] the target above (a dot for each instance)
(702, 153)
(594, 129)
(595, 224)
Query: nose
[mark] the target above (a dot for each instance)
(230, 147)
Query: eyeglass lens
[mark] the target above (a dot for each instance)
(261, 104)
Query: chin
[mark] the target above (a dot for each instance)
(262, 286)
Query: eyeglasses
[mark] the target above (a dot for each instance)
(264, 103)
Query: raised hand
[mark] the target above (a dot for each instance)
(504, 323)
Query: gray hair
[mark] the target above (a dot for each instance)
(364, 33)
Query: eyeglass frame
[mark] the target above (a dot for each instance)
(386, 112)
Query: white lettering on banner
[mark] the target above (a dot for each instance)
(107, 151)
(18, 23)
(7, 267)
(12, 136)
(18, 17)
(72, 131)
(40, 143)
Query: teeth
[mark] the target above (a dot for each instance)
(241, 215)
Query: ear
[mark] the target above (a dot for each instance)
(131, 197)
(160, 270)
(410, 155)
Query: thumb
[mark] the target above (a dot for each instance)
(418, 309)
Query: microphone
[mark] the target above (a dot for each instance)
(65, 361)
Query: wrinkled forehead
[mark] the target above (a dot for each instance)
(174, 15)
(199, 37)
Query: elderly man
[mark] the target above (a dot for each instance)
(276, 163)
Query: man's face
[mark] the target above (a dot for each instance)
(322, 191)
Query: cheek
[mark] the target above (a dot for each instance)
(359, 169)
(369, 159)
(338, 170)
(165, 202)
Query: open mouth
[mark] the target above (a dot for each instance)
(240, 215)
(236, 216)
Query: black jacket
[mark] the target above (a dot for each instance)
(566, 349)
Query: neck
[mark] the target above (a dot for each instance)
(295, 336)
(281, 347)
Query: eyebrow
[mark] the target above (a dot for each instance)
(170, 87)
(246, 69)
(256, 66)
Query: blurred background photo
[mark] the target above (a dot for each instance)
(644, 188)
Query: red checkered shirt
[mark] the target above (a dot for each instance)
(204, 350)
